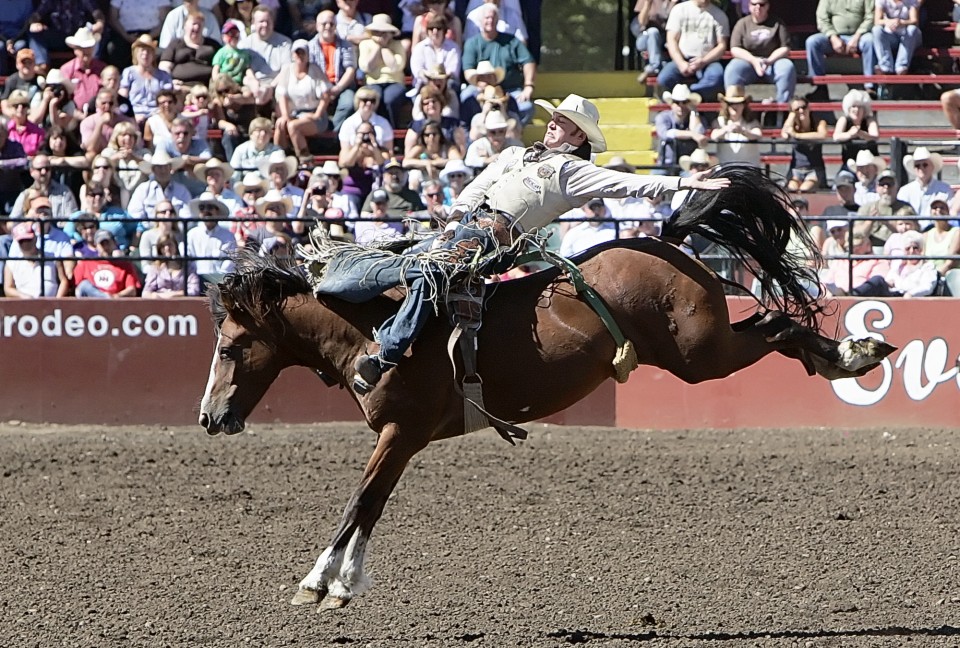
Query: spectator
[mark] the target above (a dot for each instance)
(943, 239)
(189, 59)
(913, 276)
(886, 204)
(485, 151)
(197, 108)
(209, 242)
(760, 45)
(101, 173)
(698, 160)
(401, 200)
(61, 200)
(338, 198)
(351, 24)
(19, 128)
(430, 154)
(432, 196)
(845, 190)
(160, 186)
(868, 274)
(807, 169)
(373, 227)
(232, 107)
(598, 229)
(24, 80)
(679, 129)
(271, 208)
(432, 99)
(189, 149)
(110, 80)
(437, 79)
(106, 278)
(175, 23)
(843, 28)
(97, 129)
(54, 20)
(649, 27)
(269, 52)
(897, 240)
(241, 12)
(337, 58)
(505, 53)
(110, 217)
(66, 158)
(165, 223)
(86, 226)
(253, 187)
(131, 20)
(438, 10)
(455, 175)
(56, 107)
(317, 206)
(509, 20)
(246, 156)
(867, 168)
(926, 187)
(230, 60)
(157, 129)
(169, 277)
(302, 98)
(142, 82)
(125, 155)
(697, 36)
(365, 102)
(896, 26)
(950, 103)
(382, 60)
(84, 69)
(493, 99)
(735, 127)
(857, 128)
(279, 169)
(213, 174)
(436, 50)
(13, 160)
(29, 277)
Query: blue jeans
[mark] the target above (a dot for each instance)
(650, 40)
(87, 289)
(392, 98)
(782, 73)
(344, 108)
(905, 44)
(707, 82)
(818, 46)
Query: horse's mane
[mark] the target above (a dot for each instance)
(259, 285)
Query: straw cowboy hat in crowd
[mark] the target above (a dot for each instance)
(484, 68)
(923, 154)
(146, 42)
(680, 94)
(437, 71)
(207, 199)
(200, 170)
(493, 94)
(274, 197)
(83, 39)
(251, 180)
(160, 158)
(866, 158)
(735, 95)
(278, 157)
(699, 156)
(619, 163)
(584, 114)
(330, 168)
(381, 24)
(495, 121)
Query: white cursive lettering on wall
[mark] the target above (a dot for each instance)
(923, 366)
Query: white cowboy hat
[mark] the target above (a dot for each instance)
(83, 39)
(273, 197)
(920, 155)
(680, 93)
(200, 170)
(251, 180)
(207, 198)
(485, 67)
(55, 77)
(584, 114)
(857, 97)
(329, 168)
(381, 23)
(619, 163)
(278, 157)
(160, 158)
(699, 156)
(866, 158)
(455, 166)
(494, 121)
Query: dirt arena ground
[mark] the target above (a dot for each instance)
(165, 537)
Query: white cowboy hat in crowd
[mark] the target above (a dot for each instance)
(251, 180)
(160, 158)
(681, 93)
(329, 168)
(619, 163)
(866, 158)
(484, 67)
(273, 197)
(455, 166)
(55, 77)
(923, 154)
(699, 156)
(207, 198)
(584, 114)
(381, 23)
(278, 157)
(494, 121)
(857, 98)
(83, 39)
(200, 170)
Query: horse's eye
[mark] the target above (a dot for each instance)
(226, 354)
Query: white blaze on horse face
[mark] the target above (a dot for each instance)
(205, 401)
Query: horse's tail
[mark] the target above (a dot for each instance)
(754, 220)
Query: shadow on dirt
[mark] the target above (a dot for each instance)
(585, 636)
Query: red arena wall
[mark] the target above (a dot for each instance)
(146, 362)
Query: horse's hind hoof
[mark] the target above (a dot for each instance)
(305, 597)
(857, 355)
(332, 603)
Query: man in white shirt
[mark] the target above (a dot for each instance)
(697, 36)
(925, 188)
(209, 239)
(592, 232)
(269, 51)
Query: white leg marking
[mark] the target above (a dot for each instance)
(328, 564)
(351, 580)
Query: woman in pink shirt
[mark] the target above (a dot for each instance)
(28, 135)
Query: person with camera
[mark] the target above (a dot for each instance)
(362, 160)
(317, 207)
(56, 106)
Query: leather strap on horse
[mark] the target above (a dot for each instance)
(625, 360)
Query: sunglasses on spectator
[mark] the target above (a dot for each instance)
(254, 192)
(431, 134)
(95, 194)
(207, 208)
(368, 100)
(496, 131)
(167, 210)
(886, 183)
(103, 166)
(86, 226)
(913, 246)
(456, 175)
(41, 168)
(434, 195)
(920, 165)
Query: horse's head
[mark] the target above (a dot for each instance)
(247, 307)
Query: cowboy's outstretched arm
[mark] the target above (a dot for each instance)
(582, 181)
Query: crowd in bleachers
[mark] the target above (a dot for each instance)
(139, 133)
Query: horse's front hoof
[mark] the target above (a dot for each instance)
(332, 603)
(305, 597)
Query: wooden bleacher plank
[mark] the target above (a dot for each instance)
(887, 79)
(816, 106)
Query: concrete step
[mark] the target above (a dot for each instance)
(593, 84)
